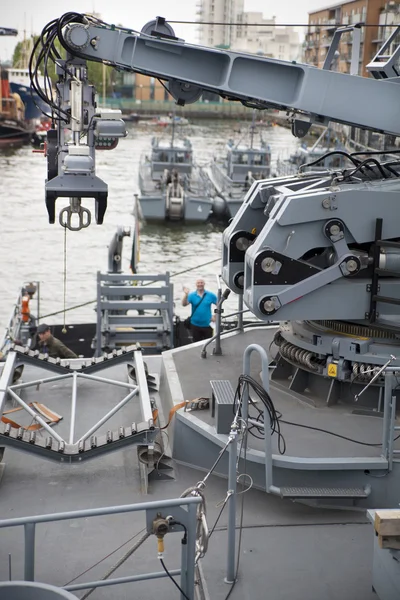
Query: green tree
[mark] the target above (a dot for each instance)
(96, 72)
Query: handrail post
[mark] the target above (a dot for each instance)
(392, 431)
(29, 565)
(99, 312)
(240, 315)
(245, 411)
(189, 549)
(217, 336)
(386, 412)
(218, 312)
(231, 553)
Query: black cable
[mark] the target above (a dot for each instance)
(73, 18)
(392, 164)
(343, 437)
(365, 163)
(173, 580)
(46, 52)
(252, 104)
(355, 162)
(266, 399)
(173, 522)
(372, 152)
(388, 166)
(32, 87)
(276, 417)
(241, 24)
(165, 87)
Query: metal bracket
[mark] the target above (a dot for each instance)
(43, 361)
(384, 65)
(355, 52)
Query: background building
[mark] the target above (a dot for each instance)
(265, 38)
(218, 11)
(235, 32)
(323, 23)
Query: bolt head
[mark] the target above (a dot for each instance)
(242, 243)
(334, 230)
(269, 306)
(268, 264)
(351, 265)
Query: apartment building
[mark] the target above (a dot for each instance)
(239, 33)
(209, 12)
(376, 14)
(266, 39)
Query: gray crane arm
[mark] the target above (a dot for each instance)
(321, 95)
(310, 95)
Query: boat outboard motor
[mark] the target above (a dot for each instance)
(175, 198)
(220, 208)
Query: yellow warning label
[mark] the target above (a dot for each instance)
(332, 370)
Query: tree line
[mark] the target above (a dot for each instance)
(98, 75)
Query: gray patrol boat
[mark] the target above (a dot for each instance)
(229, 455)
(243, 162)
(172, 187)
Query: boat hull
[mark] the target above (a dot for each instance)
(13, 133)
(195, 210)
(34, 105)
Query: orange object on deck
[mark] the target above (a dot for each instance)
(25, 308)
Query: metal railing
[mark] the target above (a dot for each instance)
(233, 454)
(15, 322)
(221, 297)
(219, 331)
(389, 427)
(117, 294)
(186, 518)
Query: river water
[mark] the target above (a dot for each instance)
(33, 250)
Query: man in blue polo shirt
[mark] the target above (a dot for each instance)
(201, 301)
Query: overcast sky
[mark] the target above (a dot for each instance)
(32, 15)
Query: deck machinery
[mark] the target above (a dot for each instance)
(319, 251)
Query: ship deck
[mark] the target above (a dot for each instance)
(287, 551)
(341, 419)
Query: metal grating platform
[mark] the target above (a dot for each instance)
(305, 492)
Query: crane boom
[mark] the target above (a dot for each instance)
(321, 94)
(311, 95)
